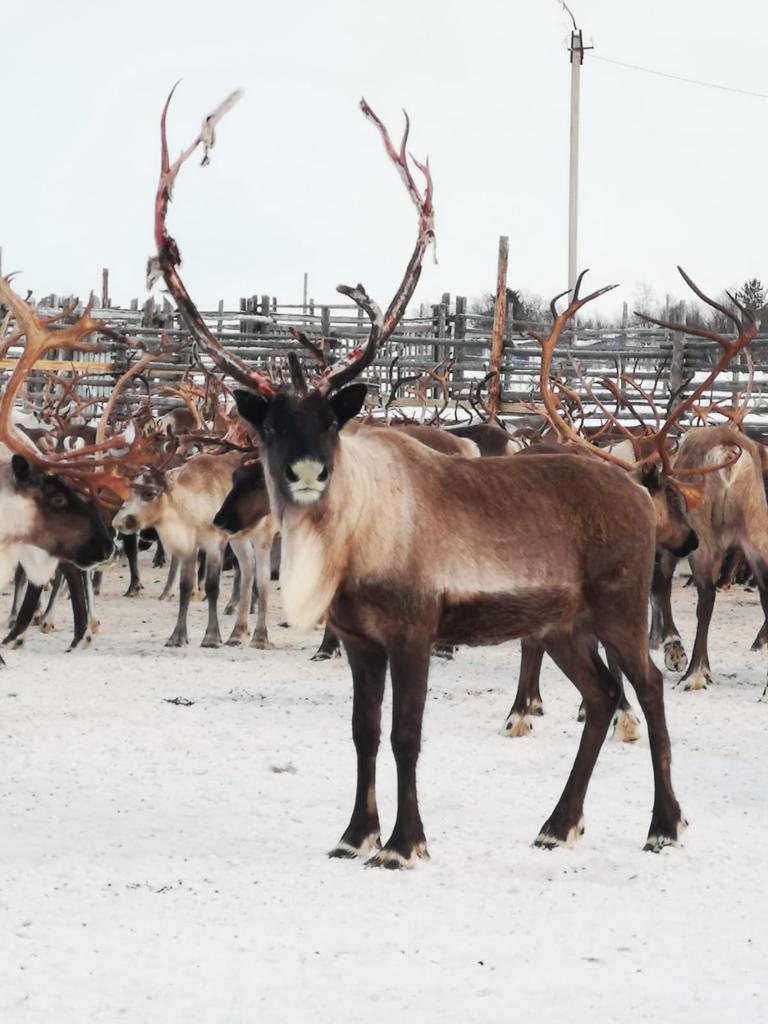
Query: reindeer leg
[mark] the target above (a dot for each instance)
(179, 637)
(19, 579)
(667, 821)
(159, 560)
(94, 624)
(78, 595)
(234, 601)
(212, 636)
(243, 552)
(409, 668)
(698, 676)
(577, 657)
(25, 614)
(528, 697)
(131, 548)
(759, 568)
(173, 568)
(48, 625)
(369, 667)
(329, 646)
(626, 724)
(663, 629)
(260, 637)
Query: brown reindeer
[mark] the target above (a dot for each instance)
(540, 548)
(733, 515)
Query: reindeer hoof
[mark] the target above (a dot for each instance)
(349, 851)
(536, 707)
(394, 860)
(235, 641)
(626, 727)
(177, 641)
(675, 658)
(262, 645)
(46, 626)
(211, 641)
(657, 840)
(548, 840)
(518, 725)
(698, 681)
(444, 651)
(582, 715)
(37, 618)
(134, 590)
(14, 645)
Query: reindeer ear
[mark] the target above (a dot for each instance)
(348, 402)
(650, 476)
(22, 469)
(251, 407)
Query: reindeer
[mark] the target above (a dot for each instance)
(180, 505)
(245, 512)
(733, 515)
(540, 548)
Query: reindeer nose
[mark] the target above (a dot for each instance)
(128, 524)
(306, 479)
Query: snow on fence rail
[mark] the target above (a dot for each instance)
(259, 331)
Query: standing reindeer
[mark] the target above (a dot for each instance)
(540, 548)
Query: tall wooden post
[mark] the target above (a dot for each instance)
(105, 288)
(499, 323)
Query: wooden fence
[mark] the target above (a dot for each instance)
(259, 331)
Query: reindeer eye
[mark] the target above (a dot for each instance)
(59, 501)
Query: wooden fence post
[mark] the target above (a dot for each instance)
(677, 365)
(499, 324)
(459, 337)
(105, 288)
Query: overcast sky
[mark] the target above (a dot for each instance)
(670, 172)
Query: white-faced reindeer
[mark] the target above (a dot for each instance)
(181, 506)
(540, 548)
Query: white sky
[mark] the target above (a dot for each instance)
(670, 173)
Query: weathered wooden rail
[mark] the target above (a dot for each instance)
(259, 331)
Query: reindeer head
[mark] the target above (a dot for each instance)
(247, 502)
(299, 435)
(143, 509)
(673, 531)
(59, 521)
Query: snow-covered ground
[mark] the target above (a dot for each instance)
(166, 863)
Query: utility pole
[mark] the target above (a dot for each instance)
(576, 52)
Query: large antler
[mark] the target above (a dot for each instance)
(730, 349)
(168, 257)
(382, 325)
(99, 469)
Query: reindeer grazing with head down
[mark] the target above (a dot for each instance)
(539, 548)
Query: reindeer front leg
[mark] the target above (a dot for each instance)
(76, 581)
(243, 551)
(260, 637)
(179, 637)
(212, 636)
(369, 667)
(409, 667)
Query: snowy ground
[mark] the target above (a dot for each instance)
(167, 863)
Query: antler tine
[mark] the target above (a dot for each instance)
(317, 353)
(168, 257)
(298, 379)
(382, 326)
(711, 302)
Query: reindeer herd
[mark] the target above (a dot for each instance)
(406, 540)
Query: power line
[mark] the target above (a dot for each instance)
(681, 78)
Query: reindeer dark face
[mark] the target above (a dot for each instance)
(299, 437)
(247, 502)
(67, 527)
(673, 531)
